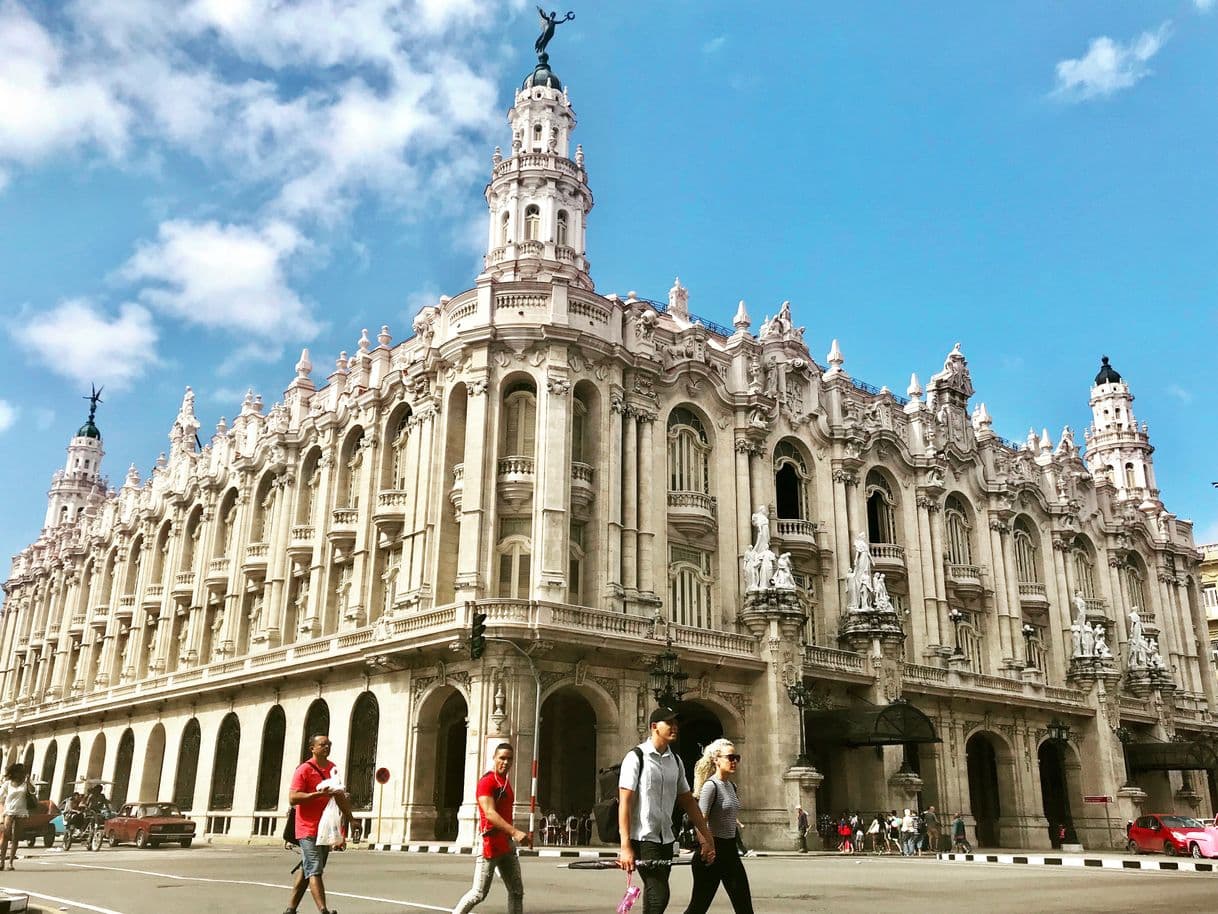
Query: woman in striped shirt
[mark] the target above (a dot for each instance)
(715, 788)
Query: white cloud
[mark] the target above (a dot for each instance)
(8, 415)
(715, 44)
(1109, 66)
(79, 341)
(225, 277)
(44, 418)
(1180, 393)
(1204, 6)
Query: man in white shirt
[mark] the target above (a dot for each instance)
(647, 795)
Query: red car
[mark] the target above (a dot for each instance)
(39, 824)
(1173, 835)
(150, 825)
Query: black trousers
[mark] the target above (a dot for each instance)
(655, 878)
(728, 869)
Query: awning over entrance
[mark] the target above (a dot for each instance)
(892, 725)
(1184, 755)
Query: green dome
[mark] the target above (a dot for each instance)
(1107, 374)
(542, 75)
(88, 430)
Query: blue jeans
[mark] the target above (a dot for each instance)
(312, 857)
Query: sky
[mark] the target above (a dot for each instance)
(191, 192)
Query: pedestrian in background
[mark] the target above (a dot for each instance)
(310, 799)
(499, 837)
(19, 801)
(801, 826)
(908, 834)
(959, 841)
(934, 832)
(715, 788)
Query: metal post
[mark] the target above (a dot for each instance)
(380, 808)
(536, 729)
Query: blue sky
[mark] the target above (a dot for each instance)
(191, 192)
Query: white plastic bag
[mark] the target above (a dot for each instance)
(330, 826)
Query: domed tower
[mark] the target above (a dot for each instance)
(538, 196)
(1116, 444)
(79, 483)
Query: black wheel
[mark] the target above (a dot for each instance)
(29, 842)
(1195, 852)
(154, 844)
(112, 839)
(141, 839)
(95, 838)
(185, 842)
(1132, 846)
(1169, 849)
(68, 838)
(48, 837)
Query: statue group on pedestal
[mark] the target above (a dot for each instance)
(1089, 640)
(763, 568)
(865, 587)
(1143, 651)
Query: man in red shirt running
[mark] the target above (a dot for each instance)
(499, 837)
(310, 803)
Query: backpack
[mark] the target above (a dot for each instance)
(605, 812)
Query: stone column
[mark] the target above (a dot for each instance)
(930, 607)
(1059, 609)
(936, 553)
(1004, 609)
(612, 489)
(630, 502)
(551, 527)
(743, 490)
(355, 614)
(843, 549)
(1192, 599)
(649, 514)
(477, 491)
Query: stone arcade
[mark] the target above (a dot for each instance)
(994, 627)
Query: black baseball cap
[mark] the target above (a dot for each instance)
(664, 713)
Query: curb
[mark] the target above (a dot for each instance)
(455, 849)
(1106, 863)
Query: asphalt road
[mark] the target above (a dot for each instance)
(246, 880)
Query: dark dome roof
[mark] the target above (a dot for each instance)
(1107, 374)
(88, 430)
(542, 75)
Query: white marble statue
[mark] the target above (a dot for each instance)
(1088, 639)
(783, 579)
(765, 573)
(1101, 643)
(1080, 608)
(1137, 652)
(1135, 626)
(860, 583)
(761, 523)
(1076, 638)
(883, 602)
(752, 570)
(1153, 658)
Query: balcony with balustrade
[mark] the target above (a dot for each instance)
(693, 513)
(300, 539)
(342, 525)
(153, 594)
(515, 478)
(256, 555)
(217, 569)
(889, 558)
(77, 625)
(1033, 594)
(125, 610)
(390, 508)
(184, 582)
(965, 579)
(583, 485)
(797, 536)
(99, 618)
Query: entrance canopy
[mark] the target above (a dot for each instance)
(1182, 755)
(892, 725)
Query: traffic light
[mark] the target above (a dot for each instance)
(477, 634)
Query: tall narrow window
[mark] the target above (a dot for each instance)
(505, 230)
(532, 222)
(688, 453)
(790, 482)
(1025, 555)
(1084, 569)
(575, 567)
(579, 417)
(1135, 589)
(520, 425)
(400, 468)
(959, 541)
(561, 237)
(881, 513)
(1130, 480)
(690, 587)
(514, 555)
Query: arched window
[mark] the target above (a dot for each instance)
(71, 764)
(532, 222)
(1131, 481)
(48, 770)
(505, 230)
(190, 540)
(270, 760)
(310, 486)
(122, 768)
(350, 471)
(188, 766)
(520, 421)
(881, 510)
(1084, 568)
(264, 509)
(514, 555)
(790, 482)
(579, 419)
(317, 723)
(690, 586)
(1026, 567)
(224, 772)
(228, 522)
(562, 235)
(688, 453)
(1135, 589)
(361, 756)
(959, 539)
(399, 466)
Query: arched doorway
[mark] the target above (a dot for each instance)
(154, 762)
(983, 789)
(188, 766)
(224, 771)
(361, 754)
(71, 764)
(317, 723)
(97, 758)
(29, 760)
(270, 760)
(122, 768)
(1055, 791)
(48, 771)
(450, 765)
(700, 726)
(566, 781)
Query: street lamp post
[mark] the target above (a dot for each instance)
(798, 693)
(956, 617)
(666, 678)
(1028, 634)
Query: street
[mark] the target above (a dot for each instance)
(245, 880)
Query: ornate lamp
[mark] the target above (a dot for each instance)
(798, 693)
(1058, 732)
(666, 678)
(956, 617)
(1029, 632)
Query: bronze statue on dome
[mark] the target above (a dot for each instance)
(549, 21)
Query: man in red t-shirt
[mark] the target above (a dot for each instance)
(499, 837)
(310, 803)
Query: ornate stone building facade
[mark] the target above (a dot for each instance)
(585, 469)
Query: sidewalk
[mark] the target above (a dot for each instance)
(1108, 860)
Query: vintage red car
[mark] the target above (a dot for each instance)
(1172, 835)
(150, 825)
(39, 824)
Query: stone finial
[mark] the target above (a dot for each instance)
(364, 342)
(678, 300)
(631, 297)
(304, 366)
(497, 157)
(1065, 444)
(741, 321)
(1046, 445)
(341, 363)
(133, 476)
(247, 404)
(981, 419)
(1031, 442)
(383, 337)
(914, 390)
(161, 460)
(835, 359)
(222, 426)
(579, 156)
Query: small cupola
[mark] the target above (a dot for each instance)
(1107, 374)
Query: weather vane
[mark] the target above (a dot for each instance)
(549, 21)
